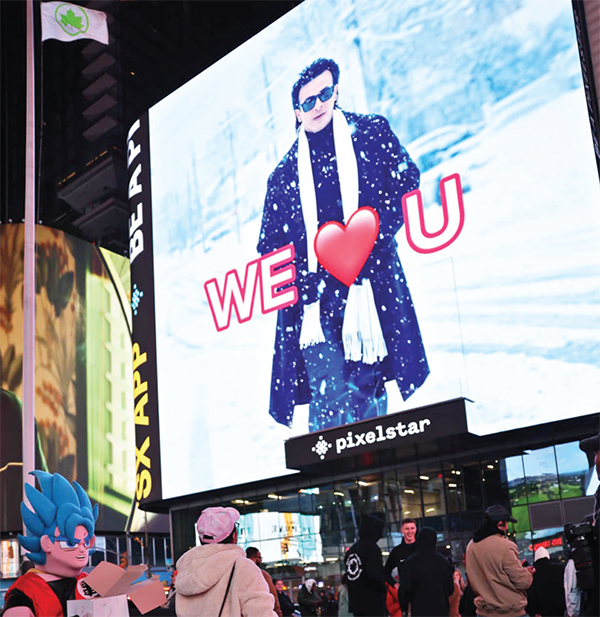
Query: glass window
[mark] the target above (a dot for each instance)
(525, 545)
(572, 469)
(521, 513)
(494, 482)
(541, 475)
(432, 488)
(551, 540)
(515, 476)
(159, 551)
(471, 477)
(455, 491)
(409, 494)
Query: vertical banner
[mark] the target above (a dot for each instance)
(147, 439)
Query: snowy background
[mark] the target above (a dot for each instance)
(510, 313)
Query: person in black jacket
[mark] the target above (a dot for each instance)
(364, 568)
(399, 554)
(546, 596)
(287, 606)
(308, 598)
(426, 583)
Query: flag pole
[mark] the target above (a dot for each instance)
(28, 434)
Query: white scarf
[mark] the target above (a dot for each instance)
(361, 332)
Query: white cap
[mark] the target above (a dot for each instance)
(541, 553)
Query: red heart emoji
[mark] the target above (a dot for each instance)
(343, 250)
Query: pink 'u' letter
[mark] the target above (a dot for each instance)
(423, 241)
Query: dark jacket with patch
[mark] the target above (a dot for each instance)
(364, 568)
(386, 173)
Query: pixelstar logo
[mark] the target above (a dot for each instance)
(342, 250)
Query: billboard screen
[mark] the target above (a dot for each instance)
(413, 222)
(83, 388)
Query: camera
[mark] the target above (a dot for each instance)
(579, 543)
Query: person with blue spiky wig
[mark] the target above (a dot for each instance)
(59, 534)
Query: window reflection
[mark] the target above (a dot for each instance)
(455, 490)
(305, 532)
(515, 475)
(572, 468)
(432, 487)
(409, 493)
(542, 478)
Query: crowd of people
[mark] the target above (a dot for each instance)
(219, 578)
(418, 578)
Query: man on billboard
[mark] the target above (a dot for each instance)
(338, 345)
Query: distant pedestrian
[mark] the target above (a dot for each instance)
(366, 585)
(426, 583)
(308, 598)
(392, 601)
(400, 553)
(455, 598)
(254, 555)
(285, 602)
(546, 596)
(343, 602)
(572, 592)
(498, 578)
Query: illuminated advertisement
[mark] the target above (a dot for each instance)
(368, 208)
(287, 536)
(83, 366)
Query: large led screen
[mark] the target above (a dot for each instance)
(83, 389)
(423, 226)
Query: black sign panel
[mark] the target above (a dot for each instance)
(421, 425)
(145, 394)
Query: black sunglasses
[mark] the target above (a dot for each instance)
(311, 101)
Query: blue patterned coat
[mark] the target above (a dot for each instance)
(386, 173)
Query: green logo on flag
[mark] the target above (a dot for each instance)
(72, 19)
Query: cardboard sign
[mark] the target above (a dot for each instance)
(98, 607)
(112, 582)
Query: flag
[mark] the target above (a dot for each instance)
(69, 22)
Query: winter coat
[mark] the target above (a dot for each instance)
(496, 575)
(286, 604)
(392, 601)
(386, 173)
(308, 601)
(366, 585)
(427, 581)
(546, 596)
(202, 576)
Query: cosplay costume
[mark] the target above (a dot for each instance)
(60, 525)
(45, 599)
(355, 161)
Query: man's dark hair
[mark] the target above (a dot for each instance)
(251, 552)
(407, 520)
(310, 72)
